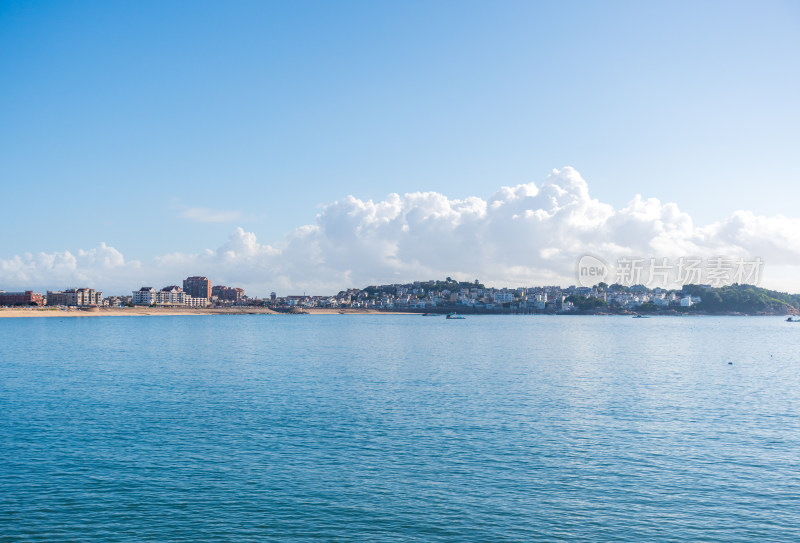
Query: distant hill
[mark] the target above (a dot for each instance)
(743, 299)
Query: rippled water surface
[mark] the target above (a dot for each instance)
(386, 428)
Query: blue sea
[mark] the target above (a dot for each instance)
(399, 428)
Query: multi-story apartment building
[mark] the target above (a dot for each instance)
(167, 296)
(75, 297)
(227, 294)
(197, 287)
(196, 302)
(145, 296)
(172, 295)
(27, 297)
(503, 297)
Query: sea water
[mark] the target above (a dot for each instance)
(399, 428)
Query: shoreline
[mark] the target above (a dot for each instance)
(45, 312)
(127, 312)
(30, 312)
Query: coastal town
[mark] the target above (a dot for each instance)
(197, 292)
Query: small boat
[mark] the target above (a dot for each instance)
(454, 315)
(430, 314)
(640, 317)
(790, 319)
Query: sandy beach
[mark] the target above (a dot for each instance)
(128, 312)
(164, 311)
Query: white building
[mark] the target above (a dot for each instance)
(660, 301)
(503, 297)
(191, 301)
(145, 296)
(167, 296)
(172, 295)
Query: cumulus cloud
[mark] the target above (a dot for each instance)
(522, 235)
(97, 266)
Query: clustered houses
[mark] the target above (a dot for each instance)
(461, 296)
(431, 295)
(227, 294)
(196, 292)
(73, 297)
(448, 295)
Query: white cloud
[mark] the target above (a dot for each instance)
(523, 235)
(98, 266)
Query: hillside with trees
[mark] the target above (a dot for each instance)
(747, 299)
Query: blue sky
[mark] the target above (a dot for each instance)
(132, 123)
